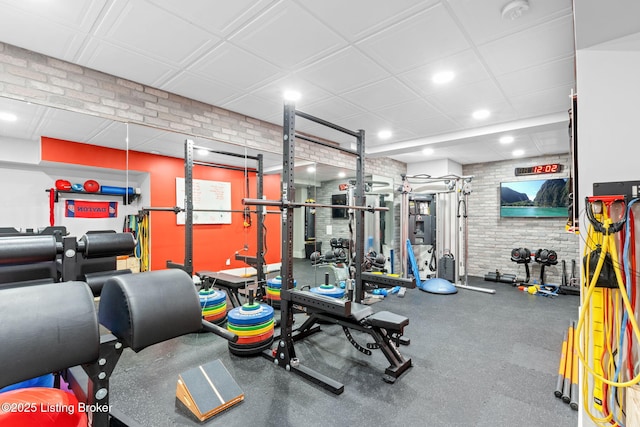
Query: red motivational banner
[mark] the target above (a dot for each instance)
(88, 209)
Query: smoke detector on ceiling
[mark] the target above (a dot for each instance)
(514, 9)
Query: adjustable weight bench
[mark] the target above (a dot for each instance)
(385, 328)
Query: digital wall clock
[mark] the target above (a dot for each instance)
(540, 169)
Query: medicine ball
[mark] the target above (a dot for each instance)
(63, 184)
(91, 186)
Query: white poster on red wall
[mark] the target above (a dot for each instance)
(214, 196)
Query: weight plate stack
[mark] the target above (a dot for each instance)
(254, 325)
(273, 291)
(214, 305)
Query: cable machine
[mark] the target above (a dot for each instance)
(449, 194)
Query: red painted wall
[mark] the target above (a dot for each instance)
(212, 244)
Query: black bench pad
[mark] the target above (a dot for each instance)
(387, 320)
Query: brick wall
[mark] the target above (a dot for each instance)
(492, 238)
(32, 77)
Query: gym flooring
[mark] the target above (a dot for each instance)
(478, 360)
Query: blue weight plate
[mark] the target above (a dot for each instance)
(329, 292)
(237, 316)
(211, 303)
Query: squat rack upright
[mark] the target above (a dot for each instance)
(189, 209)
(339, 311)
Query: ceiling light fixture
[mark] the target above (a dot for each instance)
(517, 153)
(8, 117)
(427, 151)
(292, 95)
(507, 139)
(311, 169)
(481, 114)
(443, 77)
(202, 151)
(384, 134)
(514, 9)
(341, 174)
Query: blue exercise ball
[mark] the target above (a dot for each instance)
(438, 286)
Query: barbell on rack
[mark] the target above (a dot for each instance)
(284, 204)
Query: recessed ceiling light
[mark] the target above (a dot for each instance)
(428, 151)
(443, 77)
(384, 134)
(507, 139)
(8, 117)
(481, 114)
(292, 95)
(202, 151)
(311, 169)
(341, 174)
(517, 153)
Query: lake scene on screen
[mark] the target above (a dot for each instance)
(541, 198)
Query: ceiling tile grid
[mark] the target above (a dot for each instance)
(362, 64)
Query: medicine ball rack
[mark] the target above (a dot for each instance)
(386, 328)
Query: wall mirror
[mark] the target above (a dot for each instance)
(147, 153)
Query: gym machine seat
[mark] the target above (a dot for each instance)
(54, 327)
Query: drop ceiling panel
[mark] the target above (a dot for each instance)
(483, 19)
(155, 32)
(333, 109)
(255, 106)
(537, 78)
(380, 94)
(195, 87)
(286, 35)
(543, 102)
(214, 16)
(466, 66)
(356, 18)
(537, 45)
(248, 70)
(408, 112)
(501, 112)
(423, 38)
(117, 61)
(273, 91)
(343, 71)
(37, 33)
(429, 126)
(466, 99)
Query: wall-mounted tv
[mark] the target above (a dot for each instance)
(540, 198)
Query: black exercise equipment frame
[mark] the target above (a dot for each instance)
(189, 162)
(284, 354)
